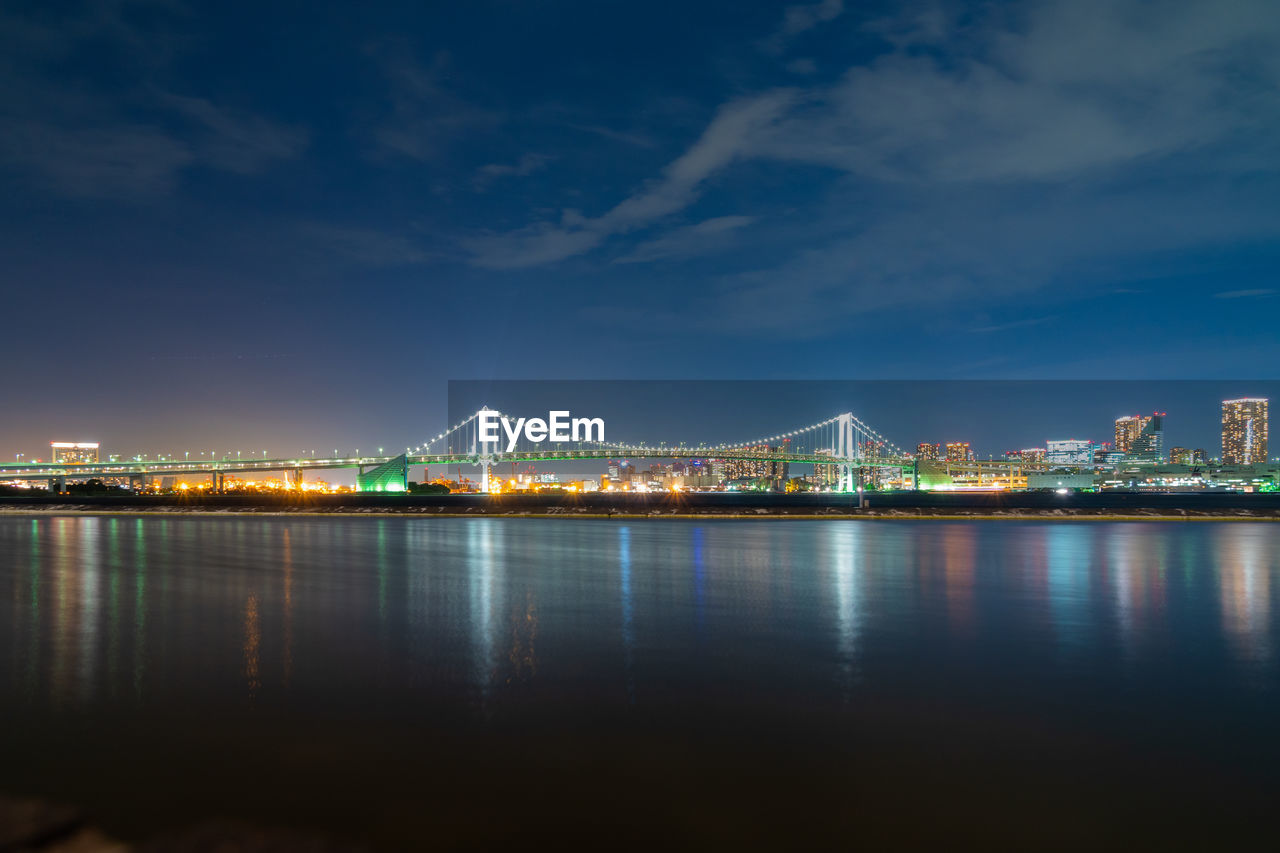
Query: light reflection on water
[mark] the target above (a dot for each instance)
(317, 650)
(95, 614)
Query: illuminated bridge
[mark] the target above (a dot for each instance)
(843, 441)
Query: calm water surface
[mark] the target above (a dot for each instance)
(463, 682)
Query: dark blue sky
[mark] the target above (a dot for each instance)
(227, 226)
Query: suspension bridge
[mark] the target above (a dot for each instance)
(843, 441)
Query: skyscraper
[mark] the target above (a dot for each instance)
(924, 450)
(959, 451)
(1149, 443)
(1244, 431)
(1128, 428)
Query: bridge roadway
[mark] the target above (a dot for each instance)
(187, 467)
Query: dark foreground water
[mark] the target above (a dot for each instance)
(456, 683)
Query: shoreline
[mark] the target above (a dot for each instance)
(66, 510)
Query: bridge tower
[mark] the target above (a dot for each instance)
(485, 453)
(847, 451)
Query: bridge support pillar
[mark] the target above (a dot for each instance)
(847, 451)
(58, 485)
(295, 478)
(218, 481)
(486, 464)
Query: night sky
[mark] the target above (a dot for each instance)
(286, 227)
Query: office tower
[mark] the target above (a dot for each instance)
(1244, 431)
(926, 451)
(1180, 455)
(958, 451)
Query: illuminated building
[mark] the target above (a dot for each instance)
(958, 451)
(1187, 456)
(1128, 428)
(1105, 455)
(1244, 431)
(873, 451)
(929, 452)
(620, 472)
(825, 476)
(749, 469)
(391, 476)
(1071, 451)
(1148, 445)
(1026, 454)
(75, 452)
(780, 469)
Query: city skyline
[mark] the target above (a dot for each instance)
(1142, 436)
(1134, 442)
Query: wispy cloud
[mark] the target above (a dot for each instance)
(1066, 92)
(525, 166)
(799, 19)
(232, 141)
(639, 140)
(1013, 324)
(680, 184)
(126, 141)
(426, 114)
(1249, 293)
(700, 238)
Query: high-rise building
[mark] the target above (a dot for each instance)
(825, 476)
(1244, 431)
(780, 469)
(1026, 454)
(1180, 455)
(1128, 428)
(1149, 443)
(1199, 456)
(926, 451)
(74, 451)
(958, 451)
